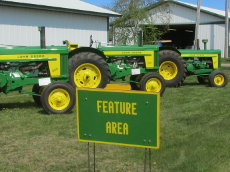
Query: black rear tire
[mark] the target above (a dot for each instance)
(172, 68)
(94, 68)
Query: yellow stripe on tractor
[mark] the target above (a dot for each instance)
(53, 60)
(148, 55)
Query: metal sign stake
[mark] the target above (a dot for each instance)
(145, 160)
(150, 160)
(88, 159)
(94, 157)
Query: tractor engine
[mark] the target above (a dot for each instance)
(12, 72)
(203, 63)
(196, 64)
(120, 66)
(135, 62)
(29, 69)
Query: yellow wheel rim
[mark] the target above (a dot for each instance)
(59, 99)
(168, 70)
(87, 75)
(154, 85)
(219, 79)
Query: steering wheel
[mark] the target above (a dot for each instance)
(90, 41)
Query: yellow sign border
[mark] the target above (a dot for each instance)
(120, 91)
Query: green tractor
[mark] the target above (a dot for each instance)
(176, 65)
(55, 71)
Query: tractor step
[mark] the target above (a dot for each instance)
(118, 87)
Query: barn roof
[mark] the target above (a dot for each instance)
(211, 11)
(70, 6)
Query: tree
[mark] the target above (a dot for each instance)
(134, 18)
(152, 33)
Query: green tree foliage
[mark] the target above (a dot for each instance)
(152, 34)
(134, 18)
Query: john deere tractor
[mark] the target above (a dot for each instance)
(54, 71)
(176, 65)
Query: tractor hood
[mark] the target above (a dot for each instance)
(33, 50)
(129, 48)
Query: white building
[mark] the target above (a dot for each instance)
(71, 20)
(181, 18)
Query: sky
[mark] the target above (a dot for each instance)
(218, 4)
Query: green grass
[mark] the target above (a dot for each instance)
(195, 125)
(225, 60)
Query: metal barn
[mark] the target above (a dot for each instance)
(181, 18)
(71, 20)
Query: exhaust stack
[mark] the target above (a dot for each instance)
(42, 37)
(140, 39)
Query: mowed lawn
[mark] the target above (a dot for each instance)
(195, 135)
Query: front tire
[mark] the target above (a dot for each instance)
(172, 68)
(153, 82)
(218, 78)
(88, 70)
(58, 98)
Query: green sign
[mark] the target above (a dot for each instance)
(118, 117)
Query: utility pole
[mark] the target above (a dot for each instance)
(196, 41)
(226, 30)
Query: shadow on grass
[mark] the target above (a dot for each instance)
(43, 112)
(17, 105)
(25, 105)
(225, 68)
(194, 84)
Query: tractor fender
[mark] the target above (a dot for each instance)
(86, 49)
(170, 48)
